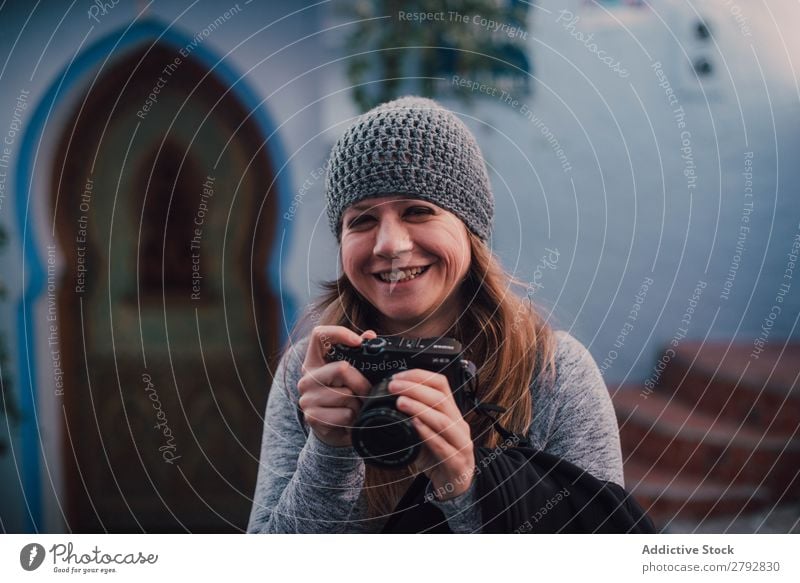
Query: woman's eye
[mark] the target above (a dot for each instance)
(420, 210)
(358, 220)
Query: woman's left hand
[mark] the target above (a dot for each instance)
(447, 456)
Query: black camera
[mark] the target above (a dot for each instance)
(381, 434)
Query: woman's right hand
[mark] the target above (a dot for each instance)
(330, 391)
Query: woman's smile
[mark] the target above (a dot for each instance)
(407, 257)
(402, 278)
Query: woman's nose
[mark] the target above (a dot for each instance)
(392, 239)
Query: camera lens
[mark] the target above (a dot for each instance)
(382, 435)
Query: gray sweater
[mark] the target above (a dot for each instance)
(305, 485)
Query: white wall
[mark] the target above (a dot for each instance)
(631, 213)
(635, 211)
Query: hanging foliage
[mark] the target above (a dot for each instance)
(418, 46)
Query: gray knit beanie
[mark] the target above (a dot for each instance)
(413, 146)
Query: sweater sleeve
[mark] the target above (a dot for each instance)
(303, 485)
(577, 417)
(462, 512)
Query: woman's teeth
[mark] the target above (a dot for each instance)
(396, 276)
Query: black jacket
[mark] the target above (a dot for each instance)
(523, 490)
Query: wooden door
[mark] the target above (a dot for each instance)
(163, 211)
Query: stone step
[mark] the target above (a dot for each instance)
(728, 380)
(666, 497)
(660, 431)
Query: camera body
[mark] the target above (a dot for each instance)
(381, 434)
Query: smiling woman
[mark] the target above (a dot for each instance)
(410, 203)
(406, 257)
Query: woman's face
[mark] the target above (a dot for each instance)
(390, 235)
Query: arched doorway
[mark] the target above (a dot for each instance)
(168, 328)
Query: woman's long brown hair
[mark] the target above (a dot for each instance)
(502, 333)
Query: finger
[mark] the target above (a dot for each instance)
(320, 379)
(321, 343)
(423, 393)
(338, 418)
(439, 456)
(340, 374)
(455, 431)
(330, 397)
(425, 377)
(438, 447)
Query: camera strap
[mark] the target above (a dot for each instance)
(490, 410)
